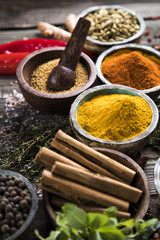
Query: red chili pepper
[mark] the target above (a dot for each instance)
(30, 45)
(12, 53)
(9, 62)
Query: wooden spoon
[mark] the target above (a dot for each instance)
(62, 77)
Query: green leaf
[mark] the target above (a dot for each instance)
(38, 235)
(53, 235)
(111, 212)
(95, 223)
(112, 222)
(128, 223)
(111, 233)
(66, 230)
(94, 236)
(61, 219)
(153, 222)
(76, 217)
(96, 220)
(63, 236)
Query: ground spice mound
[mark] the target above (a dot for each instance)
(133, 70)
(115, 116)
(40, 76)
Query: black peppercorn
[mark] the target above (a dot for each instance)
(5, 228)
(15, 203)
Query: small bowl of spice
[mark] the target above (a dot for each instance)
(18, 205)
(132, 65)
(33, 72)
(114, 116)
(112, 25)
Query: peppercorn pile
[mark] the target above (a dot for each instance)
(15, 204)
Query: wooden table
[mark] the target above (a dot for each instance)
(19, 18)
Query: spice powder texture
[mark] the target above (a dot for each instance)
(115, 116)
(132, 69)
(41, 73)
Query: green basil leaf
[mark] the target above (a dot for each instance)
(96, 220)
(94, 236)
(152, 222)
(112, 222)
(111, 233)
(128, 223)
(61, 220)
(76, 217)
(53, 235)
(66, 230)
(111, 212)
(38, 235)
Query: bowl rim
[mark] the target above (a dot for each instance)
(34, 206)
(157, 176)
(132, 12)
(132, 46)
(24, 85)
(98, 89)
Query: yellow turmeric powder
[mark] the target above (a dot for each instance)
(115, 116)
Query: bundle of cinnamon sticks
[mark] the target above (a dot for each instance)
(88, 178)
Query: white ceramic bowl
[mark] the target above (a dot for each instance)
(157, 176)
(127, 146)
(152, 92)
(99, 46)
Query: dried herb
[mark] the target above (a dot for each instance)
(18, 149)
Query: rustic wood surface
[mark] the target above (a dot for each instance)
(19, 18)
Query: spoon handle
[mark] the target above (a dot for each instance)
(71, 54)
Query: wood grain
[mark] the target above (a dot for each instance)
(28, 13)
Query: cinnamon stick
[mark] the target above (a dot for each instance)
(59, 202)
(82, 160)
(100, 183)
(76, 190)
(115, 167)
(48, 157)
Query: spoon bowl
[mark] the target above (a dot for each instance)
(65, 77)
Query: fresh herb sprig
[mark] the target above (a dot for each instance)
(74, 223)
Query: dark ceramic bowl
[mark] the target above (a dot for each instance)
(24, 229)
(152, 92)
(48, 102)
(140, 181)
(127, 146)
(99, 46)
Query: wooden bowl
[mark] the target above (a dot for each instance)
(99, 46)
(47, 102)
(128, 146)
(22, 232)
(118, 50)
(140, 181)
